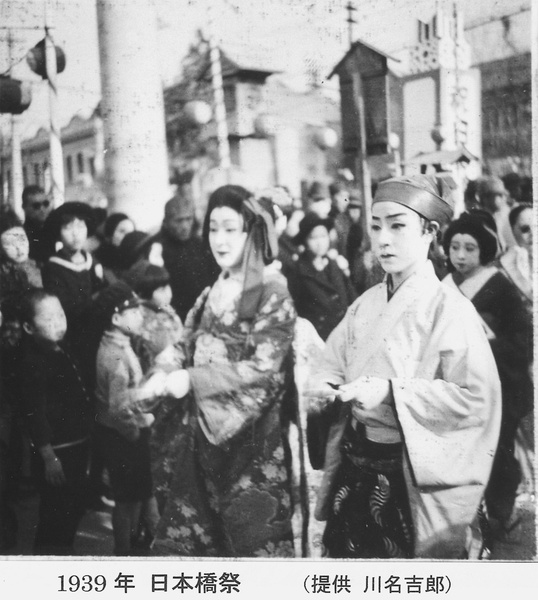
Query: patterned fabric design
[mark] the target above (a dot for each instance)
(219, 462)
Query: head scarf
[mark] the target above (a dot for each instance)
(429, 196)
(261, 248)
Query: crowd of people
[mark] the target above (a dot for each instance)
(156, 373)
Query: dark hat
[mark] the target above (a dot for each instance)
(429, 196)
(307, 224)
(8, 220)
(145, 278)
(133, 246)
(115, 298)
(66, 212)
(480, 225)
(318, 191)
(112, 222)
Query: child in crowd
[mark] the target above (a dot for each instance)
(320, 288)
(56, 409)
(162, 329)
(72, 275)
(15, 248)
(122, 429)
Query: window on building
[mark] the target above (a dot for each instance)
(37, 174)
(69, 168)
(91, 162)
(80, 162)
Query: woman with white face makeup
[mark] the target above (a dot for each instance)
(471, 245)
(414, 382)
(220, 463)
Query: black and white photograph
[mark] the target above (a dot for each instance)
(266, 296)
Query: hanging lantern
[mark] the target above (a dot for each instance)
(36, 59)
(15, 95)
(197, 112)
(326, 138)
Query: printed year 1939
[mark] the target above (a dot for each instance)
(82, 583)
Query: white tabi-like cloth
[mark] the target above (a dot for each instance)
(429, 342)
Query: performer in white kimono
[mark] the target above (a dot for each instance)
(408, 458)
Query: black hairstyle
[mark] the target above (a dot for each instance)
(145, 278)
(29, 302)
(516, 211)
(112, 222)
(232, 196)
(479, 224)
(8, 220)
(29, 191)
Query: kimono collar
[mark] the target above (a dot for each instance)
(65, 262)
(424, 271)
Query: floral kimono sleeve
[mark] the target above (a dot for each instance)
(237, 390)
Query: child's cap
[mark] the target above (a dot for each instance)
(115, 298)
(429, 196)
(64, 213)
(145, 278)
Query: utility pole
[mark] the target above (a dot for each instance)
(218, 96)
(350, 20)
(17, 180)
(55, 143)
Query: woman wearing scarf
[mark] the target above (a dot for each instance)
(220, 471)
(471, 245)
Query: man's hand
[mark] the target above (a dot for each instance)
(320, 395)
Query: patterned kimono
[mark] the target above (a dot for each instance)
(220, 471)
(445, 409)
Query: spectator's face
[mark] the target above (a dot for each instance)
(73, 235)
(15, 244)
(49, 323)
(354, 214)
(130, 321)
(340, 200)
(124, 227)
(179, 226)
(464, 254)
(38, 207)
(162, 296)
(318, 242)
(322, 207)
(227, 237)
(523, 229)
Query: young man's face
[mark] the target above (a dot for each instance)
(15, 244)
(73, 235)
(162, 296)
(179, 226)
(398, 239)
(49, 323)
(37, 207)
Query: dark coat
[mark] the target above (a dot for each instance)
(322, 297)
(191, 267)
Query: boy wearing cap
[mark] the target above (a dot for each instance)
(122, 429)
(419, 400)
